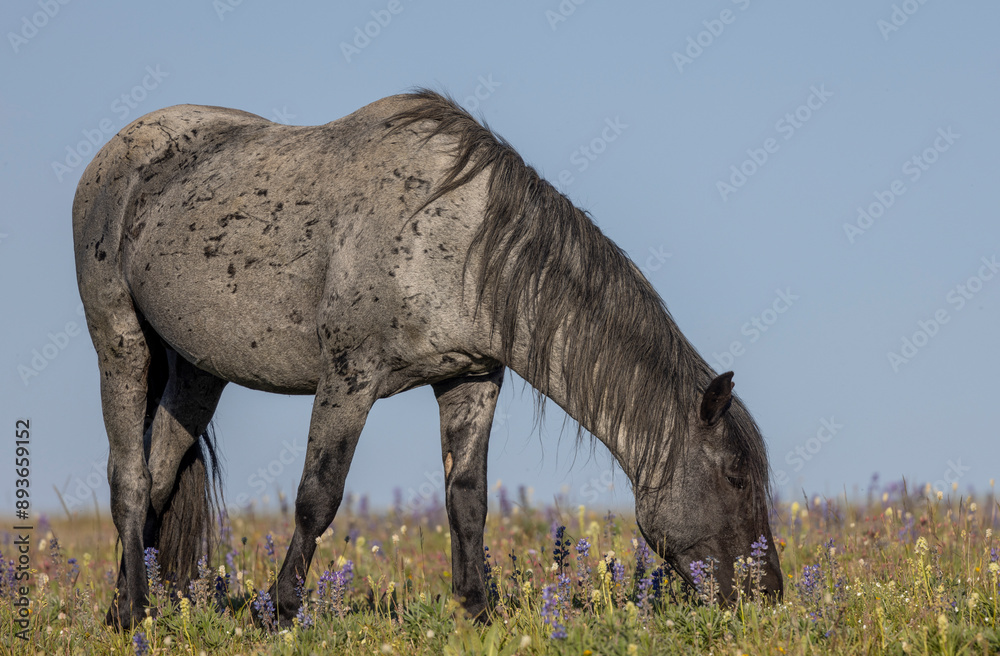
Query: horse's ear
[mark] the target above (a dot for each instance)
(717, 398)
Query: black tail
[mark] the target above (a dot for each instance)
(187, 525)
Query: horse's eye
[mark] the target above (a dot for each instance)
(738, 483)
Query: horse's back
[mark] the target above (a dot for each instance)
(233, 234)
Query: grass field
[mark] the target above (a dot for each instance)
(895, 573)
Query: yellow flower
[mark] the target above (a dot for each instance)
(921, 547)
(632, 649)
(185, 609)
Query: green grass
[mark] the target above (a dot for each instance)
(895, 574)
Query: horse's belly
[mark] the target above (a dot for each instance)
(244, 320)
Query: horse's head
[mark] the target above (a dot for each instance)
(712, 503)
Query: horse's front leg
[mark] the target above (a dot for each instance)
(338, 415)
(467, 406)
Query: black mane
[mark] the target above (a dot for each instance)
(546, 263)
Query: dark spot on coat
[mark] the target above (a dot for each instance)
(231, 270)
(253, 344)
(295, 316)
(262, 192)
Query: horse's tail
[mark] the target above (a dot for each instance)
(187, 524)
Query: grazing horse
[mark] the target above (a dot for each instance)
(402, 245)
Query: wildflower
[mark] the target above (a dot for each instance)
(525, 642)
(375, 549)
(269, 547)
(185, 609)
(703, 576)
(561, 550)
(265, 608)
(153, 572)
(551, 613)
(140, 644)
(921, 547)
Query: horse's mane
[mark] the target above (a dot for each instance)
(624, 361)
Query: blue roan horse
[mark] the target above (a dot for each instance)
(402, 245)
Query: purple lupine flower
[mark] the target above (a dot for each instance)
(582, 569)
(759, 548)
(657, 580)
(618, 571)
(265, 609)
(492, 593)
(551, 613)
(703, 576)
(561, 549)
(153, 571)
(698, 568)
(269, 547)
(505, 505)
(565, 593)
(140, 644)
(333, 587)
(304, 618)
(810, 585)
(643, 559)
(8, 578)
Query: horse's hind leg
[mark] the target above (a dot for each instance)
(467, 405)
(123, 356)
(181, 509)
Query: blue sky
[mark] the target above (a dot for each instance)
(811, 188)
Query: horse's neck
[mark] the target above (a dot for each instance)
(555, 387)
